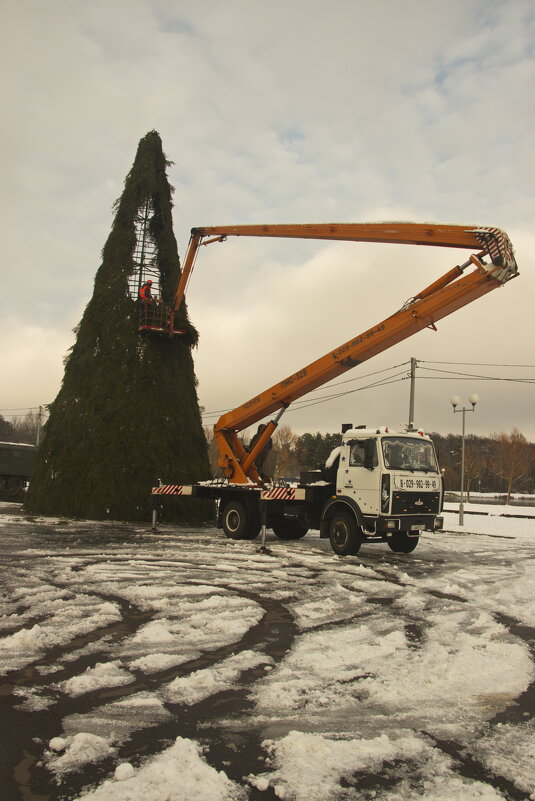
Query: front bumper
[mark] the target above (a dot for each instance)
(412, 525)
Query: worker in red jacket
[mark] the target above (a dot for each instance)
(145, 292)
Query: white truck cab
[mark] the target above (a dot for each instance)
(388, 487)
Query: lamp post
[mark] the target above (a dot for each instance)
(455, 401)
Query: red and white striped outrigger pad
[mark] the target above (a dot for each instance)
(499, 247)
(283, 494)
(172, 489)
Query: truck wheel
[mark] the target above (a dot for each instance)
(344, 534)
(289, 530)
(402, 543)
(238, 524)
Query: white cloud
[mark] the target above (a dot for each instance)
(350, 111)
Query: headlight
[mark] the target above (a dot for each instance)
(385, 493)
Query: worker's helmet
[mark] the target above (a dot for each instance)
(149, 282)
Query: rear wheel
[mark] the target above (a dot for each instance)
(344, 534)
(239, 523)
(402, 543)
(289, 529)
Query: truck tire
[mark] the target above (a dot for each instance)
(344, 534)
(402, 543)
(289, 530)
(238, 524)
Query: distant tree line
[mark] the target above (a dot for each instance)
(501, 463)
(23, 429)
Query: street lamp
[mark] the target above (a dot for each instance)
(455, 401)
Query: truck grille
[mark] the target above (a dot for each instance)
(415, 503)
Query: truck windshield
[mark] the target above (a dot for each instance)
(403, 453)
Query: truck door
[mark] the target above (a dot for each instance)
(359, 474)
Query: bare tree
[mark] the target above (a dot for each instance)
(474, 461)
(27, 427)
(284, 442)
(213, 453)
(513, 458)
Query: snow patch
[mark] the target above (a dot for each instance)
(208, 681)
(71, 619)
(79, 750)
(177, 774)
(57, 744)
(199, 625)
(464, 670)
(124, 771)
(105, 674)
(119, 719)
(152, 663)
(510, 751)
(310, 767)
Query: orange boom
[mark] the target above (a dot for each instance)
(490, 267)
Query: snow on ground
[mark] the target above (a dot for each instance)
(203, 683)
(66, 619)
(115, 722)
(465, 667)
(105, 674)
(199, 624)
(218, 672)
(510, 751)
(177, 774)
(77, 751)
(309, 767)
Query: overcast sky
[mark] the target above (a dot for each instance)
(282, 111)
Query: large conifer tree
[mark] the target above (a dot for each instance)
(127, 412)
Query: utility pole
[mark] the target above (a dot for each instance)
(38, 433)
(414, 364)
(455, 400)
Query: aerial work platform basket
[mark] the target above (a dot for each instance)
(159, 318)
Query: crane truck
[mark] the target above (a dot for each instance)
(378, 485)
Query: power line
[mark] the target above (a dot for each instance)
(382, 382)
(306, 405)
(360, 377)
(476, 364)
(458, 373)
(462, 377)
(308, 402)
(21, 409)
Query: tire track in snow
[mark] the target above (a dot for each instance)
(30, 778)
(522, 708)
(24, 731)
(469, 767)
(273, 635)
(197, 718)
(132, 617)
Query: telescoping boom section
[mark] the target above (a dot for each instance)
(491, 266)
